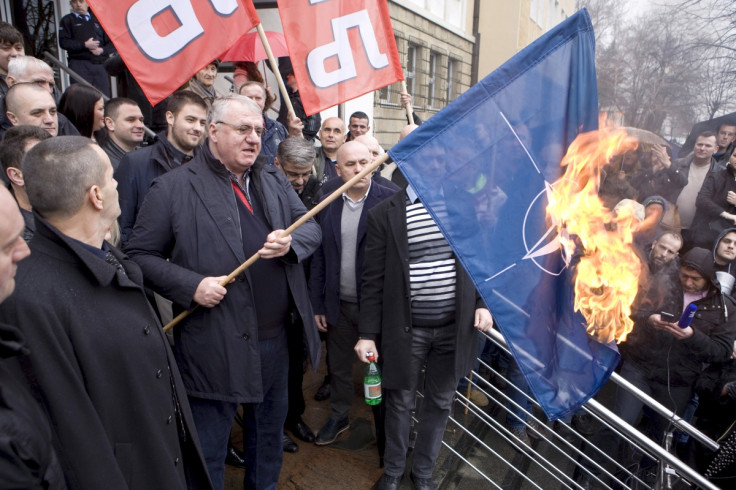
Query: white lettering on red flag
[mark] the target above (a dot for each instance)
(340, 49)
(165, 42)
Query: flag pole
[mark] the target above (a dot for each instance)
(306, 217)
(409, 110)
(275, 68)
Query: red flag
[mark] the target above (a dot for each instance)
(340, 49)
(165, 42)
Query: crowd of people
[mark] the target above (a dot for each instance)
(686, 233)
(125, 231)
(106, 235)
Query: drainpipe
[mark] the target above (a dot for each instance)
(476, 45)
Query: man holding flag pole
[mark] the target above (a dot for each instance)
(527, 111)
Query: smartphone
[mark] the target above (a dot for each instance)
(668, 317)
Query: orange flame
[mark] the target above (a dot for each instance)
(607, 275)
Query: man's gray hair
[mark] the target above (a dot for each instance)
(297, 151)
(58, 172)
(20, 66)
(221, 104)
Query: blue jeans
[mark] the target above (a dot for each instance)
(262, 422)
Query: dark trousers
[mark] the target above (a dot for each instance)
(94, 73)
(295, 334)
(341, 340)
(262, 423)
(434, 347)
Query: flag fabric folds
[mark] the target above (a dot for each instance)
(483, 167)
(340, 49)
(165, 42)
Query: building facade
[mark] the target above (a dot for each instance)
(445, 47)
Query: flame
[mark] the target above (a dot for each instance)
(607, 274)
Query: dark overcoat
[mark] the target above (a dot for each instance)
(136, 171)
(324, 279)
(104, 369)
(189, 228)
(385, 308)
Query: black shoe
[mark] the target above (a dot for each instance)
(388, 482)
(234, 457)
(422, 483)
(300, 430)
(289, 444)
(330, 431)
(323, 393)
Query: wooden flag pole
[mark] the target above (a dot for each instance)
(275, 68)
(306, 217)
(409, 110)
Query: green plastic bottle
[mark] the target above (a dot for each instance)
(372, 382)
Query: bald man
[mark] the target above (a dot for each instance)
(89, 373)
(334, 282)
(28, 103)
(374, 147)
(27, 69)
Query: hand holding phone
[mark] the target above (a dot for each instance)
(668, 317)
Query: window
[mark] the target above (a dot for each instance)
(552, 8)
(411, 67)
(453, 72)
(536, 11)
(384, 94)
(434, 61)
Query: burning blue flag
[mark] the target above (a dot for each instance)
(496, 153)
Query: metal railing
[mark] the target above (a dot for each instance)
(482, 452)
(78, 78)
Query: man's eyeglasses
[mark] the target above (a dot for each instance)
(245, 129)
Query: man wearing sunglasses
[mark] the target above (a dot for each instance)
(196, 225)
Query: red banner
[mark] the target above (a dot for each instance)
(340, 49)
(165, 42)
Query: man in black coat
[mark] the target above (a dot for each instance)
(27, 457)
(86, 44)
(101, 362)
(418, 306)
(716, 204)
(294, 157)
(186, 116)
(197, 224)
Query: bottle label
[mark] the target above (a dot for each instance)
(373, 391)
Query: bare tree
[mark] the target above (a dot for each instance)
(667, 64)
(718, 86)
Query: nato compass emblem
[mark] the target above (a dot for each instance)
(548, 243)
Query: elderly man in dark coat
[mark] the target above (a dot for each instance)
(101, 362)
(418, 307)
(197, 224)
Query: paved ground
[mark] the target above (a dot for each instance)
(352, 462)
